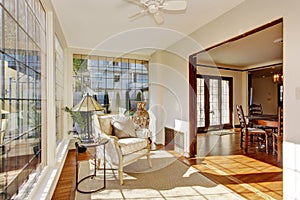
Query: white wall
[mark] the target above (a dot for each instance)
(291, 72)
(168, 85)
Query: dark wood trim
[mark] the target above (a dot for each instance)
(218, 67)
(277, 21)
(239, 70)
(263, 67)
(193, 105)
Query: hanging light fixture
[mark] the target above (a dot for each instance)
(277, 78)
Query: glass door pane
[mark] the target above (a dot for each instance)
(214, 102)
(200, 103)
(225, 102)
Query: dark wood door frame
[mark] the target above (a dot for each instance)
(192, 105)
(193, 82)
(207, 102)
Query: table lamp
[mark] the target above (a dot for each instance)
(87, 104)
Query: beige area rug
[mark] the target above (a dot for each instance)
(167, 179)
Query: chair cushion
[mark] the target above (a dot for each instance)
(131, 145)
(123, 127)
(254, 130)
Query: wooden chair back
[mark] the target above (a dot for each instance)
(241, 116)
(255, 109)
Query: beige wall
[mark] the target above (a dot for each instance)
(266, 95)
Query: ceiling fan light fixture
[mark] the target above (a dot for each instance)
(152, 9)
(155, 8)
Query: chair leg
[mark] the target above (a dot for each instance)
(149, 160)
(274, 144)
(121, 176)
(241, 140)
(246, 141)
(279, 149)
(267, 143)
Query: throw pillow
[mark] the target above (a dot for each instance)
(123, 127)
(105, 124)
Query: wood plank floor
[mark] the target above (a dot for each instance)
(255, 175)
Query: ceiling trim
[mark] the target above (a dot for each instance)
(239, 70)
(280, 20)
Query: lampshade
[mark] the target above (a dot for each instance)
(87, 103)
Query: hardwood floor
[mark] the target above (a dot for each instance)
(255, 175)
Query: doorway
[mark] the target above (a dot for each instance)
(214, 102)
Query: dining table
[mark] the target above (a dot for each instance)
(267, 120)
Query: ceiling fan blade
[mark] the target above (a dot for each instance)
(159, 18)
(174, 5)
(138, 14)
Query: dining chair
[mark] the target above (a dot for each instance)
(277, 136)
(260, 134)
(255, 109)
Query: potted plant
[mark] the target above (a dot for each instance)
(79, 126)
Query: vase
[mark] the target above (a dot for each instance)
(141, 116)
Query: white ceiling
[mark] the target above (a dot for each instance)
(262, 48)
(91, 23)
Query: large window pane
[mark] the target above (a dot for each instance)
(20, 95)
(124, 80)
(59, 88)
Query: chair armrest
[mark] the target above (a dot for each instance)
(143, 133)
(112, 149)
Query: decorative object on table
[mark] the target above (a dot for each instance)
(141, 116)
(87, 104)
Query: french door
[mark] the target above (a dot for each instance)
(214, 102)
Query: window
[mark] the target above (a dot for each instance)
(125, 80)
(59, 88)
(22, 48)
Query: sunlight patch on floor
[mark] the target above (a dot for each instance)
(242, 174)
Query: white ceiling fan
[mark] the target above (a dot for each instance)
(154, 7)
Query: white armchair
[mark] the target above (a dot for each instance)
(126, 144)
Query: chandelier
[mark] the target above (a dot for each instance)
(277, 78)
